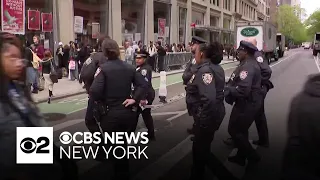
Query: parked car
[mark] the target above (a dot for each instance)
(307, 46)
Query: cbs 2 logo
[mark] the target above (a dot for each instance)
(29, 145)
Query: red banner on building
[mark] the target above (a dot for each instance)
(13, 16)
(46, 19)
(34, 20)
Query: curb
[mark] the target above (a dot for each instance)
(42, 100)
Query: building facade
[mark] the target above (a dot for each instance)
(169, 21)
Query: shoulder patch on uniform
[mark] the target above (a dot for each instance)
(97, 72)
(193, 61)
(144, 72)
(88, 61)
(243, 75)
(207, 78)
(192, 78)
(260, 59)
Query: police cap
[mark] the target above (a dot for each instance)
(141, 53)
(198, 40)
(247, 46)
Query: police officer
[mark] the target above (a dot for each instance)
(146, 71)
(190, 70)
(244, 92)
(87, 76)
(266, 85)
(206, 88)
(113, 86)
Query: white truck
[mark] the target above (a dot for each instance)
(281, 44)
(264, 32)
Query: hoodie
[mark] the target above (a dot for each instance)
(302, 157)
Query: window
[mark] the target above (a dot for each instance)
(235, 6)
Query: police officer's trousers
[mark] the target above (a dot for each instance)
(261, 123)
(241, 118)
(147, 118)
(119, 120)
(89, 118)
(201, 150)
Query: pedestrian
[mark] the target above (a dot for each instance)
(243, 91)
(301, 155)
(47, 66)
(38, 49)
(73, 63)
(208, 110)
(161, 53)
(190, 71)
(266, 85)
(31, 71)
(152, 50)
(88, 70)
(113, 87)
(145, 70)
(17, 109)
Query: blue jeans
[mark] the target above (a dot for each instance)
(32, 77)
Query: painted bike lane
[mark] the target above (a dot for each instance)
(76, 103)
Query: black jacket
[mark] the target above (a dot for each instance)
(113, 84)
(146, 71)
(302, 157)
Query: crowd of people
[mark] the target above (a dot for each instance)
(118, 91)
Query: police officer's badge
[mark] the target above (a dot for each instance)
(97, 72)
(260, 59)
(207, 78)
(243, 75)
(144, 72)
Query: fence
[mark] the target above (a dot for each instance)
(175, 60)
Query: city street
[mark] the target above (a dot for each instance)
(170, 155)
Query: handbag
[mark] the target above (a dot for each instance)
(72, 64)
(53, 73)
(35, 60)
(41, 83)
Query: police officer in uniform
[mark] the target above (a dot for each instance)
(113, 86)
(88, 70)
(146, 71)
(243, 91)
(190, 70)
(206, 87)
(266, 85)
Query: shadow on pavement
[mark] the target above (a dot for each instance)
(54, 116)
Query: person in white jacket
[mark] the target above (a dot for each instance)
(152, 50)
(129, 53)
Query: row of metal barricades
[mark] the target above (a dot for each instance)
(175, 60)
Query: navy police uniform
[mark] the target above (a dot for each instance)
(112, 86)
(188, 73)
(87, 76)
(205, 88)
(146, 71)
(243, 91)
(266, 84)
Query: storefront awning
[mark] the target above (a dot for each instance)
(207, 28)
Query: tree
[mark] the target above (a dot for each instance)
(313, 23)
(289, 23)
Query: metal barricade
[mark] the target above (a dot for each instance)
(175, 60)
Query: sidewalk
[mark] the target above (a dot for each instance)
(66, 87)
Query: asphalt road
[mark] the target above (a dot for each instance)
(170, 154)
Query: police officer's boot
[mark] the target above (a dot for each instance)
(254, 157)
(261, 143)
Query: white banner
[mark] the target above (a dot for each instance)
(78, 24)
